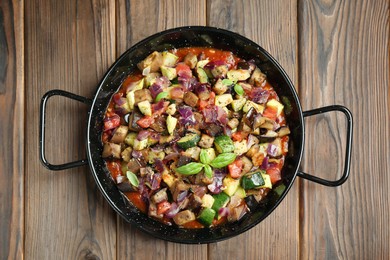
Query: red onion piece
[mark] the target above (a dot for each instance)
(187, 117)
(120, 179)
(221, 115)
(259, 95)
(272, 150)
(210, 114)
(142, 135)
(264, 165)
(223, 212)
(173, 210)
(182, 195)
(155, 89)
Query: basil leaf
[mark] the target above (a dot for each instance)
(238, 89)
(204, 157)
(223, 159)
(132, 178)
(190, 168)
(227, 82)
(208, 172)
(161, 95)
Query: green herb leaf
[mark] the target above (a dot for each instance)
(161, 95)
(238, 89)
(204, 157)
(227, 82)
(208, 172)
(223, 159)
(190, 168)
(132, 178)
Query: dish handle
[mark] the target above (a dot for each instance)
(42, 156)
(347, 162)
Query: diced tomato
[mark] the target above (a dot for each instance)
(235, 168)
(105, 137)
(237, 136)
(203, 104)
(145, 121)
(163, 206)
(274, 174)
(114, 167)
(212, 98)
(136, 198)
(183, 70)
(112, 122)
(270, 113)
(117, 97)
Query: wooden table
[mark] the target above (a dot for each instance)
(336, 52)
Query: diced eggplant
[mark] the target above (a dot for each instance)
(214, 129)
(283, 131)
(145, 171)
(246, 164)
(191, 99)
(134, 165)
(233, 123)
(220, 71)
(269, 136)
(178, 188)
(160, 196)
(249, 117)
(120, 134)
(206, 141)
(184, 217)
(220, 88)
(193, 152)
(153, 62)
(195, 202)
(258, 121)
(111, 150)
(159, 124)
(183, 160)
(257, 77)
(191, 60)
(126, 154)
(134, 117)
(125, 186)
(238, 75)
(142, 95)
(153, 211)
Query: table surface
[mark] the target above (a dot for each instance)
(336, 52)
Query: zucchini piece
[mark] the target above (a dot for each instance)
(231, 185)
(145, 107)
(129, 140)
(252, 180)
(207, 201)
(238, 75)
(188, 141)
(240, 192)
(249, 104)
(171, 124)
(220, 201)
(171, 109)
(140, 145)
(223, 100)
(169, 59)
(206, 216)
(168, 72)
(202, 76)
(223, 144)
(267, 181)
(238, 104)
(240, 147)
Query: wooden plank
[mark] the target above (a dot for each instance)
(273, 25)
(69, 45)
(344, 59)
(135, 26)
(12, 117)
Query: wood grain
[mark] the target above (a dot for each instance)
(12, 115)
(68, 46)
(344, 59)
(135, 25)
(273, 25)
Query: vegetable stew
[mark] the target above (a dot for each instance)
(195, 138)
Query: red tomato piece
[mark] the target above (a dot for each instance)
(203, 104)
(112, 122)
(114, 168)
(183, 70)
(235, 168)
(145, 121)
(237, 136)
(274, 174)
(163, 207)
(270, 113)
